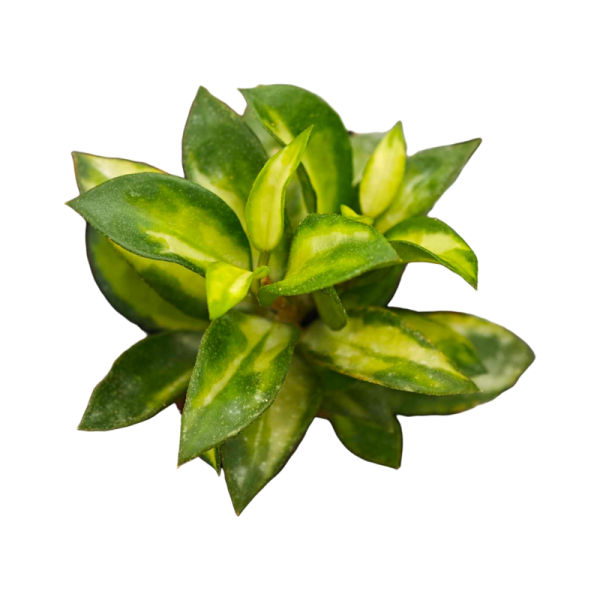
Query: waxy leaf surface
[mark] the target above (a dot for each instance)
(227, 286)
(144, 380)
(242, 362)
(363, 146)
(326, 250)
(254, 456)
(428, 175)
(128, 293)
(286, 111)
(376, 346)
(265, 209)
(166, 218)
(424, 239)
(220, 152)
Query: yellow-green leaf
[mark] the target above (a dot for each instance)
(363, 146)
(258, 453)
(349, 213)
(377, 346)
(424, 239)
(327, 250)
(241, 366)
(265, 209)
(166, 218)
(227, 286)
(383, 173)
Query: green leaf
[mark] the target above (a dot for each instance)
(286, 111)
(383, 173)
(363, 145)
(128, 293)
(424, 239)
(265, 209)
(166, 218)
(330, 307)
(242, 362)
(144, 380)
(258, 453)
(227, 286)
(326, 250)
(220, 152)
(377, 346)
(455, 346)
(349, 213)
(375, 288)
(177, 285)
(428, 175)
(504, 356)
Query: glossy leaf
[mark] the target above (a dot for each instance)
(428, 175)
(424, 239)
(144, 380)
(220, 152)
(227, 286)
(166, 218)
(375, 288)
(350, 213)
(242, 362)
(376, 346)
(327, 250)
(455, 346)
(177, 285)
(504, 356)
(286, 111)
(128, 293)
(265, 209)
(383, 173)
(259, 452)
(363, 146)
(330, 307)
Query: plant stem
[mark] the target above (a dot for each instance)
(263, 260)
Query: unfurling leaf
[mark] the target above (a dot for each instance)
(376, 346)
(220, 152)
(286, 111)
(265, 209)
(166, 218)
(227, 286)
(144, 380)
(349, 213)
(424, 239)
(330, 307)
(241, 365)
(383, 173)
(428, 175)
(254, 456)
(327, 250)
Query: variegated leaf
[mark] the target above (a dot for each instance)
(504, 356)
(376, 346)
(424, 239)
(128, 293)
(259, 452)
(363, 146)
(144, 380)
(286, 111)
(428, 175)
(265, 209)
(350, 213)
(375, 288)
(327, 250)
(166, 218)
(177, 285)
(242, 362)
(330, 307)
(220, 152)
(383, 173)
(227, 286)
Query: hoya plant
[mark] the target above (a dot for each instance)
(262, 280)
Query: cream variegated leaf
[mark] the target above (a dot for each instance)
(424, 239)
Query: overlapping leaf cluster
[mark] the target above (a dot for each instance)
(262, 280)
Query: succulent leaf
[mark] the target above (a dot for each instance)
(220, 151)
(258, 453)
(377, 346)
(286, 111)
(363, 146)
(424, 239)
(166, 218)
(265, 209)
(330, 307)
(241, 366)
(327, 250)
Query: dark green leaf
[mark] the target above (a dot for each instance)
(330, 307)
(375, 288)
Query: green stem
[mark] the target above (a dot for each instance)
(263, 261)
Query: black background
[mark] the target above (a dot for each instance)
(444, 457)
